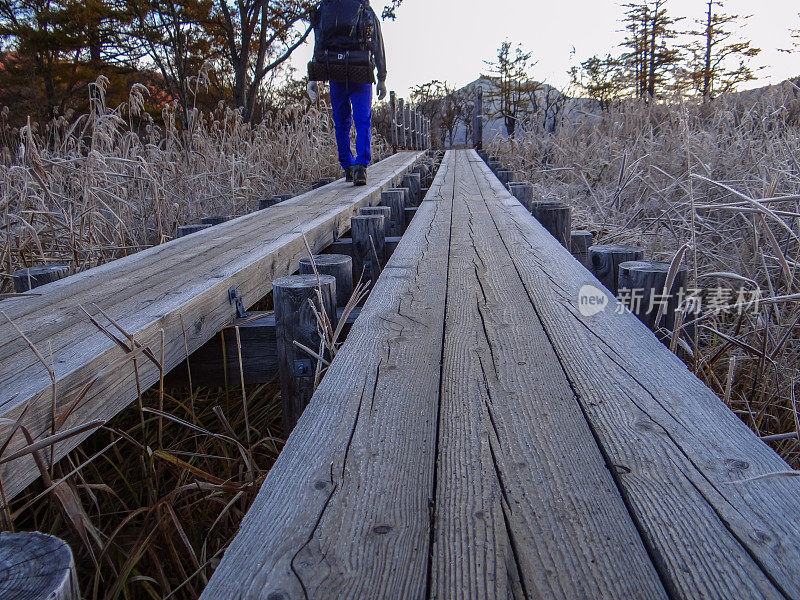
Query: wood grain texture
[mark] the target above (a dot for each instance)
(702, 488)
(35, 566)
(298, 299)
(523, 492)
(181, 283)
(344, 512)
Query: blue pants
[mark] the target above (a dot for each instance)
(359, 96)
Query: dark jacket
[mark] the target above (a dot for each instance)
(378, 50)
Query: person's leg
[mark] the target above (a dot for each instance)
(342, 120)
(361, 98)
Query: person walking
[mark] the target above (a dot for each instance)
(348, 47)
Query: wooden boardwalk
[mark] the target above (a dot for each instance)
(180, 288)
(478, 437)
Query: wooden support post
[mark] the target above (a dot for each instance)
(272, 200)
(339, 266)
(414, 184)
(604, 261)
(494, 165)
(368, 232)
(420, 143)
(383, 211)
(216, 363)
(321, 182)
(295, 322)
(33, 277)
(214, 220)
(414, 145)
(407, 119)
(641, 286)
(395, 199)
(401, 125)
(36, 566)
(428, 134)
(579, 246)
(506, 177)
(477, 120)
(522, 191)
(411, 212)
(393, 113)
(556, 218)
(340, 246)
(185, 230)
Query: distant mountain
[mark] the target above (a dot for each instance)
(549, 106)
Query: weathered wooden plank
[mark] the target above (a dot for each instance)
(344, 512)
(701, 487)
(182, 284)
(523, 491)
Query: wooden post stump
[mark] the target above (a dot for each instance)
(368, 232)
(395, 199)
(33, 277)
(494, 165)
(272, 200)
(393, 125)
(556, 218)
(506, 177)
(339, 266)
(641, 288)
(477, 120)
(295, 322)
(321, 182)
(522, 191)
(218, 220)
(411, 212)
(383, 211)
(36, 566)
(185, 230)
(414, 184)
(581, 240)
(604, 260)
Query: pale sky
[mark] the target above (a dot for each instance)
(450, 39)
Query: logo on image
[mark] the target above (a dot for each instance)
(591, 300)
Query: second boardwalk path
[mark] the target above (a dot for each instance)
(478, 437)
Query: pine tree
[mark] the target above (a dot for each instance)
(510, 94)
(652, 54)
(718, 63)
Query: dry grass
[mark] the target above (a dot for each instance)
(113, 182)
(722, 177)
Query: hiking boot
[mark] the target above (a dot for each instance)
(348, 174)
(359, 175)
